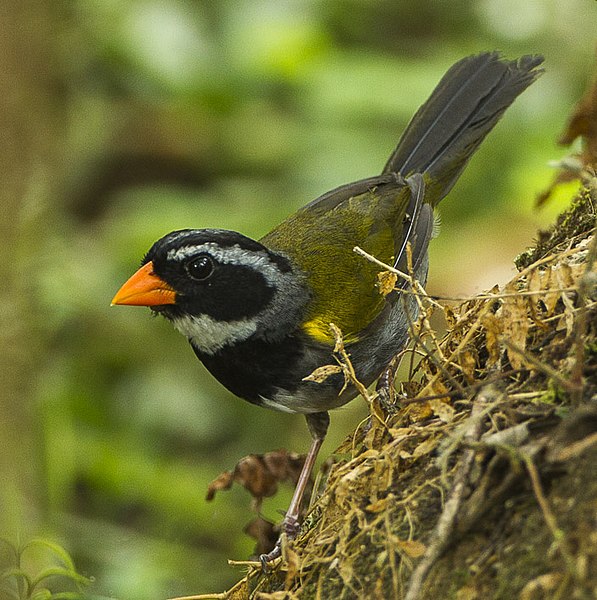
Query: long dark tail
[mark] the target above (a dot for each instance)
(461, 111)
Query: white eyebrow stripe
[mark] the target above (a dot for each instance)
(234, 255)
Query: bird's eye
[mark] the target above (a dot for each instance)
(200, 267)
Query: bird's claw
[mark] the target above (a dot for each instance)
(290, 528)
(275, 553)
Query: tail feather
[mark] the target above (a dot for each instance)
(464, 107)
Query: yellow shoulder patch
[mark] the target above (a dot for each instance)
(320, 331)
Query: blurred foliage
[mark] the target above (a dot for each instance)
(138, 117)
(26, 575)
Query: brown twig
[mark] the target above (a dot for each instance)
(350, 375)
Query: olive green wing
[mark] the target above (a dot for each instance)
(372, 214)
(384, 213)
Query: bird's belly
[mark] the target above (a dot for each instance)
(271, 374)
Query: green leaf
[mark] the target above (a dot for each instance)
(60, 572)
(16, 573)
(56, 549)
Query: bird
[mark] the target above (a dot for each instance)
(257, 314)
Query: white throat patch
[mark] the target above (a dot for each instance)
(209, 335)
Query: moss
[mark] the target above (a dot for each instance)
(575, 221)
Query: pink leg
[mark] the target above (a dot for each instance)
(290, 525)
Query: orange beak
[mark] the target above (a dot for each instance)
(145, 288)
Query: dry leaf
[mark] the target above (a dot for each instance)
(223, 481)
(442, 409)
(533, 285)
(468, 362)
(260, 474)
(437, 388)
(322, 373)
(515, 325)
(493, 332)
(339, 345)
(386, 282)
(467, 593)
(400, 433)
(450, 317)
(583, 124)
(568, 313)
(240, 591)
(542, 586)
(534, 280)
(264, 532)
(564, 275)
(284, 465)
(429, 445)
(272, 596)
(412, 548)
(418, 412)
(379, 505)
(548, 282)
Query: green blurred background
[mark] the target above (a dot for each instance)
(124, 119)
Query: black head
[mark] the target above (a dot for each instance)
(226, 287)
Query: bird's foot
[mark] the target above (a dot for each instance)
(385, 387)
(290, 528)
